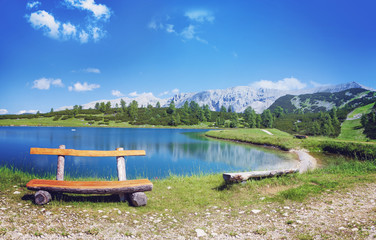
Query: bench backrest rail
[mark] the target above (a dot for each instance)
(86, 153)
(61, 152)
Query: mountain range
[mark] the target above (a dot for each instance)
(238, 98)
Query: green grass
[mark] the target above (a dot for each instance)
(182, 195)
(284, 141)
(352, 129)
(279, 139)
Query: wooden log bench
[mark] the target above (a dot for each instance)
(133, 190)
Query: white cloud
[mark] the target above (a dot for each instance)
(316, 84)
(97, 33)
(100, 11)
(78, 87)
(69, 30)
(160, 26)
(31, 5)
(57, 82)
(133, 94)
(173, 91)
(3, 111)
(285, 84)
(170, 28)
(83, 36)
(42, 84)
(45, 83)
(188, 32)
(153, 25)
(92, 70)
(164, 93)
(27, 111)
(91, 29)
(200, 16)
(45, 21)
(116, 93)
(201, 40)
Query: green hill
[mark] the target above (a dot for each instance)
(325, 101)
(351, 128)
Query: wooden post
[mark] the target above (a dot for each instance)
(60, 165)
(122, 175)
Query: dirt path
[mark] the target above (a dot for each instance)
(266, 131)
(307, 162)
(343, 214)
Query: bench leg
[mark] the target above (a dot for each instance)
(138, 199)
(42, 197)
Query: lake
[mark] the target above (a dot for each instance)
(168, 151)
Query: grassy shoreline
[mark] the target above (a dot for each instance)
(284, 141)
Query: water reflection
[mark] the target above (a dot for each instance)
(169, 151)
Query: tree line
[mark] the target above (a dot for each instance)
(191, 113)
(368, 122)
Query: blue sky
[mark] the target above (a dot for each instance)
(67, 52)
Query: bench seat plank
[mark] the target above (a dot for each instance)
(86, 153)
(91, 187)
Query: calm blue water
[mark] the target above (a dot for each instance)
(168, 151)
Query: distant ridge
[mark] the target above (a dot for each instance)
(238, 98)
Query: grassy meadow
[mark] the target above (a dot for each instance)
(351, 128)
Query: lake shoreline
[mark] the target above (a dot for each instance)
(306, 161)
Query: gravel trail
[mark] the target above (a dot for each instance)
(342, 214)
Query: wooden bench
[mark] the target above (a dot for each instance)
(131, 189)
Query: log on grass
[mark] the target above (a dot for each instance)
(244, 176)
(138, 199)
(42, 197)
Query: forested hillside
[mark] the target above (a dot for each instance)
(368, 121)
(324, 101)
(307, 119)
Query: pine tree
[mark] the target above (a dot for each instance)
(207, 112)
(316, 128)
(97, 106)
(258, 121)
(250, 117)
(171, 109)
(133, 109)
(108, 106)
(278, 112)
(177, 119)
(267, 119)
